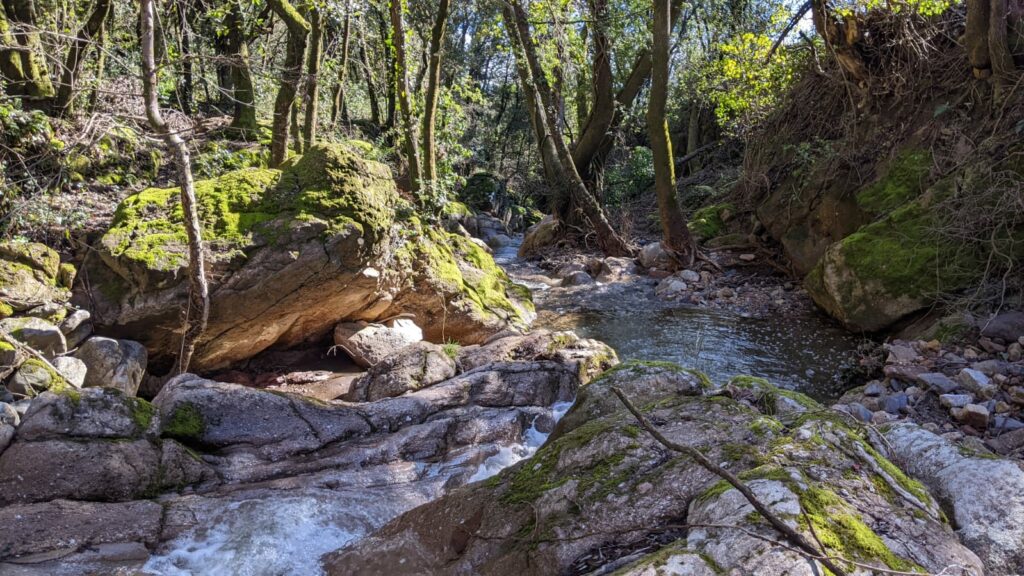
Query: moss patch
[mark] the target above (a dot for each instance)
(903, 181)
(186, 423)
(707, 222)
(142, 412)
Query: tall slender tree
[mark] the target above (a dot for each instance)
(298, 30)
(338, 101)
(402, 92)
(675, 234)
(311, 100)
(433, 89)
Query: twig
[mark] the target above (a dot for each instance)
(792, 535)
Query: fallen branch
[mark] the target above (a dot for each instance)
(6, 336)
(792, 535)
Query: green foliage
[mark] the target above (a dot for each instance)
(630, 177)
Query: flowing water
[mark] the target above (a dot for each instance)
(805, 352)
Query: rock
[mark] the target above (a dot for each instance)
(93, 413)
(499, 240)
(41, 335)
(986, 495)
(1009, 326)
(689, 276)
(882, 417)
(725, 292)
(110, 363)
(294, 252)
(539, 236)
(956, 400)
(567, 270)
(859, 412)
(615, 268)
(654, 255)
(368, 344)
(1007, 443)
(896, 403)
(414, 367)
(1015, 352)
(76, 328)
(71, 369)
(29, 275)
(747, 257)
(976, 382)
(975, 416)
(8, 415)
(991, 347)
(53, 312)
(7, 432)
(1002, 424)
(578, 278)
(937, 382)
(32, 378)
(10, 359)
(670, 287)
(1017, 395)
(995, 368)
(903, 372)
(588, 358)
(901, 354)
(874, 388)
(597, 470)
(30, 528)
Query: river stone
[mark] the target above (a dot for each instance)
(670, 287)
(539, 236)
(937, 382)
(413, 367)
(955, 400)
(33, 377)
(689, 276)
(76, 328)
(654, 255)
(578, 278)
(976, 382)
(974, 415)
(119, 364)
(1009, 326)
(586, 357)
(41, 335)
(615, 268)
(986, 495)
(369, 344)
(71, 369)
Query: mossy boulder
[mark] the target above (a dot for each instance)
(29, 277)
(290, 253)
(709, 221)
(601, 482)
(481, 191)
(889, 269)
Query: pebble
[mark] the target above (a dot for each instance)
(1005, 424)
(689, 276)
(955, 400)
(874, 388)
(975, 416)
(900, 354)
(1016, 394)
(896, 403)
(747, 257)
(970, 354)
(861, 413)
(1015, 352)
(976, 382)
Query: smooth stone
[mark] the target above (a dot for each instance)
(72, 369)
(955, 400)
(874, 388)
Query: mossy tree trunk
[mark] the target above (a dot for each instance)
(567, 178)
(311, 100)
(338, 101)
(30, 78)
(243, 94)
(298, 30)
(90, 31)
(599, 121)
(197, 314)
(433, 89)
(675, 235)
(402, 92)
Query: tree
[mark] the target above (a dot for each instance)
(298, 30)
(547, 129)
(243, 94)
(24, 69)
(433, 87)
(198, 311)
(92, 29)
(402, 92)
(311, 100)
(338, 102)
(675, 234)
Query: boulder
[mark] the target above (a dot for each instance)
(293, 252)
(110, 363)
(413, 367)
(71, 369)
(671, 287)
(41, 335)
(586, 357)
(1009, 326)
(368, 344)
(76, 328)
(615, 268)
(10, 358)
(654, 255)
(985, 494)
(34, 377)
(577, 278)
(601, 486)
(29, 276)
(539, 236)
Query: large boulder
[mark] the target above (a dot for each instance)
(602, 495)
(110, 363)
(41, 335)
(539, 236)
(292, 254)
(93, 444)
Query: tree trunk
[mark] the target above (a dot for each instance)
(608, 240)
(675, 235)
(1003, 67)
(599, 123)
(693, 136)
(371, 84)
(338, 102)
(197, 314)
(390, 77)
(976, 37)
(402, 90)
(298, 29)
(842, 35)
(433, 88)
(63, 103)
(32, 79)
(243, 94)
(311, 102)
(101, 67)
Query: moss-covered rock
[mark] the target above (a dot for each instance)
(599, 469)
(709, 222)
(481, 191)
(29, 274)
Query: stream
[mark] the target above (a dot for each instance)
(275, 532)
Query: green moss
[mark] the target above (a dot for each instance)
(457, 209)
(767, 472)
(707, 222)
(903, 181)
(142, 412)
(6, 346)
(480, 191)
(186, 423)
(716, 490)
(841, 530)
(907, 483)
(451, 349)
(765, 425)
(5, 310)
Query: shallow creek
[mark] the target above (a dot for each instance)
(279, 532)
